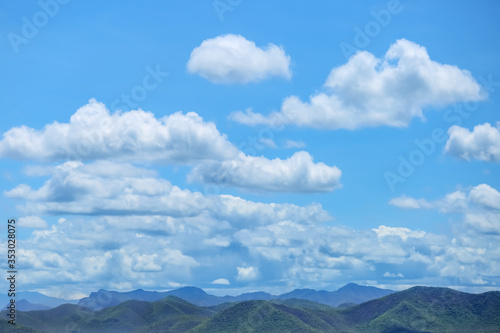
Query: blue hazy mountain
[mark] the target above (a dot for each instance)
(415, 310)
(351, 293)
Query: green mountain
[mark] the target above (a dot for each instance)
(5, 327)
(260, 316)
(427, 309)
(170, 314)
(416, 310)
(350, 293)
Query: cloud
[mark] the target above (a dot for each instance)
(137, 136)
(94, 133)
(247, 273)
(284, 245)
(451, 203)
(485, 196)
(483, 143)
(110, 188)
(368, 92)
(34, 222)
(221, 281)
(403, 233)
(480, 207)
(393, 275)
(298, 173)
(268, 143)
(294, 144)
(234, 59)
(409, 203)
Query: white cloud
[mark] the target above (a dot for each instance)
(393, 275)
(268, 143)
(403, 233)
(486, 222)
(217, 241)
(409, 203)
(452, 202)
(146, 263)
(294, 144)
(296, 174)
(34, 222)
(94, 133)
(486, 196)
(368, 91)
(483, 143)
(109, 188)
(480, 207)
(221, 281)
(137, 136)
(270, 242)
(234, 59)
(247, 273)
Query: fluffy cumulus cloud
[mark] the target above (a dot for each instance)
(296, 174)
(403, 233)
(480, 207)
(194, 239)
(483, 143)
(94, 133)
(298, 254)
(247, 273)
(234, 59)
(368, 91)
(221, 281)
(109, 188)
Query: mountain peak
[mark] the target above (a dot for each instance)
(192, 289)
(352, 286)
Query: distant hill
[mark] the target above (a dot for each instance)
(36, 298)
(428, 309)
(24, 305)
(416, 310)
(5, 327)
(351, 293)
(130, 316)
(256, 316)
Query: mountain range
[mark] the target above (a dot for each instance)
(351, 293)
(415, 310)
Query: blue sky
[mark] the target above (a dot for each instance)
(247, 145)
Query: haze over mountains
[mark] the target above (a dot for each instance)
(415, 310)
(350, 293)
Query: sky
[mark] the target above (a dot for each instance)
(239, 145)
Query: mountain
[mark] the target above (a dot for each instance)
(36, 298)
(170, 314)
(24, 305)
(104, 299)
(5, 327)
(428, 309)
(60, 319)
(350, 293)
(416, 310)
(258, 316)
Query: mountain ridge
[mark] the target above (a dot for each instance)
(351, 293)
(415, 310)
